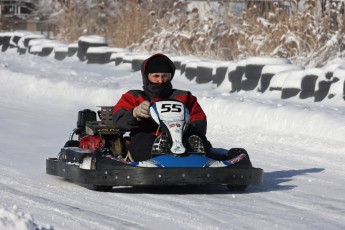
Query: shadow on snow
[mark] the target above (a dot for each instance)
(275, 181)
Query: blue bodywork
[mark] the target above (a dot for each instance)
(191, 160)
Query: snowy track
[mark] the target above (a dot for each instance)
(298, 144)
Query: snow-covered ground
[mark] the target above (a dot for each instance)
(300, 145)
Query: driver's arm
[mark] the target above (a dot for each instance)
(123, 117)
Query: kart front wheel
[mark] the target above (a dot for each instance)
(237, 188)
(101, 188)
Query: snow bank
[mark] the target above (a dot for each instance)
(93, 39)
(16, 220)
(49, 91)
(266, 61)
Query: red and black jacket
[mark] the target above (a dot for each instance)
(124, 120)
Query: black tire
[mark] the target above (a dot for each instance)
(244, 163)
(234, 152)
(72, 143)
(101, 188)
(237, 188)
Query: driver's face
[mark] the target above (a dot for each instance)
(159, 78)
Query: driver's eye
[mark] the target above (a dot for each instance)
(165, 76)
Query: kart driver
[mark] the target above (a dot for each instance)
(131, 111)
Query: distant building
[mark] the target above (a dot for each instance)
(16, 7)
(20, 15)
(235, 6)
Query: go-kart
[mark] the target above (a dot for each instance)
(100, 158)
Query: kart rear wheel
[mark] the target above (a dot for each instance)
(237, 188)
(72, 143)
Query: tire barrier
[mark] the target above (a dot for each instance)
(85, 42)
(60, 52)
(183, 66)
(43, 47)
(308, 83)
(221, 72)
(72, 49)
(235, 76)
(5, 41)
(337, 89)
(177, 61)
(137, 60)
(97, 55)
(190, 69)
(268, 71)
(278, 80)
(253, 68)
(324, 82)
(23, 43)
(205, 71)
(117, 58)
(277, 77)
(292, 84)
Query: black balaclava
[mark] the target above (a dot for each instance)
(157, 63)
